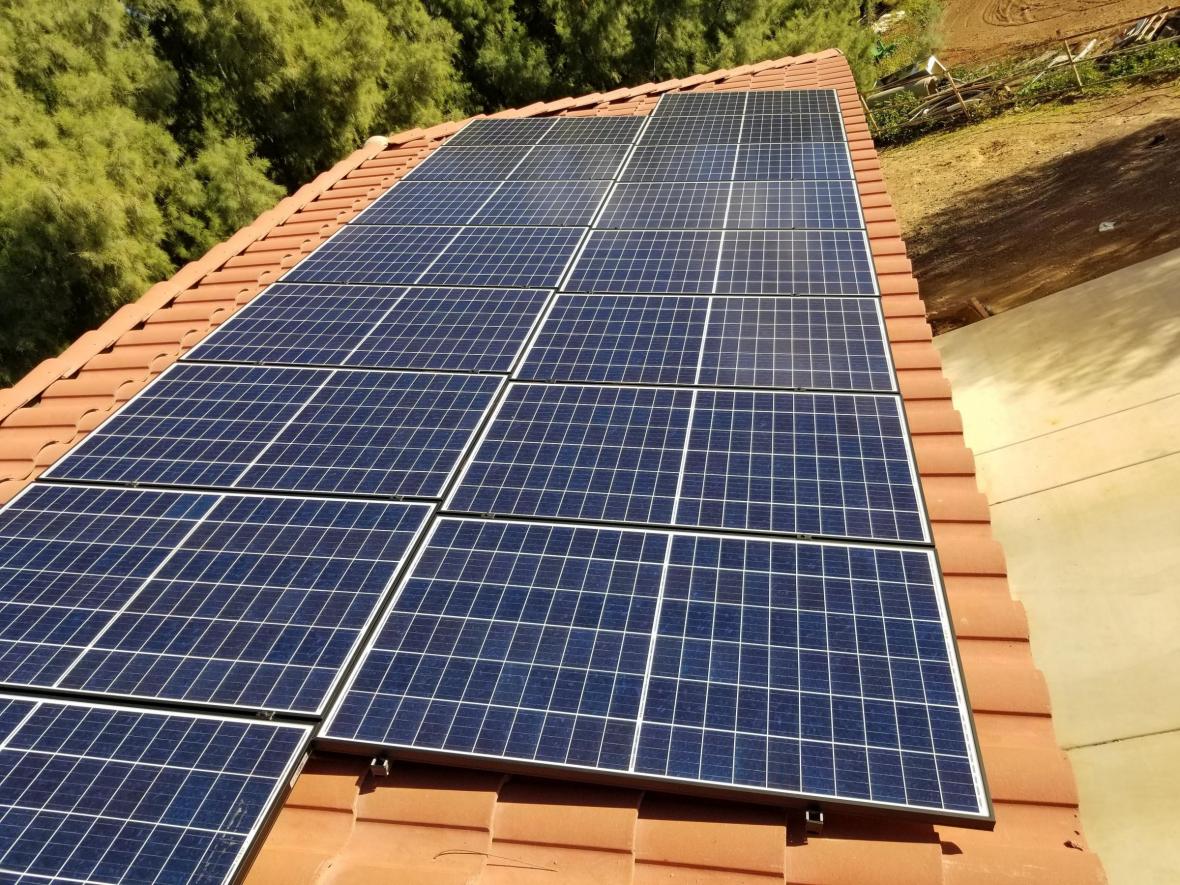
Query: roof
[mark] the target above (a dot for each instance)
(439, 825)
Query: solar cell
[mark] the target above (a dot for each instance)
(598, 453)
(792, 101)
(469, 163)
(543, 203)
(524, 131)
(505, 256)
(647, 261)
(247, 601)
(470, 330)
(811, 464)
(283, 429)
(683, 162)
(793, 128)
(525, 641)
(817, 671)
(777, 262)
(360, 253)
(792, 162)
(564, 162)
(692, 130)
(103, 794)
(810, 205)
(666, 205)
(593, 130)
(631, 338)
(817, 343)
(428, 202)
(523, 257)
(701, 104)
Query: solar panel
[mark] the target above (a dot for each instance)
(563, 162)
(666, 205)
(794, 128)
(792, 101)
(468, 163)
(499, 132)
(792, 162)
(682, 162)
(817, 343)
(810, 205)
(254, 602)
(283, 429)
(593, 130)
(524, 257)
(470, 330)
(758, 666)
(805, 464)
(428, 202)
(775, 262)
(105, 794)
(543, 203)
(693, 130)
(701, 104)
(647, 261)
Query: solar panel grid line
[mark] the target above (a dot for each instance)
(106, 793)
(377, 729)
(500, 163)
(704, 343)
(651, 655)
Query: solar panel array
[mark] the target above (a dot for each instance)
(579, 449)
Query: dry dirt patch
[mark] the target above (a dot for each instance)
(1009, 210)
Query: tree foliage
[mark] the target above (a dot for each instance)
(135, 134)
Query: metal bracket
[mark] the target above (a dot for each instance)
(379, 766)
(813, 821)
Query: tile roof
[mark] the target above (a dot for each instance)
(440, 825)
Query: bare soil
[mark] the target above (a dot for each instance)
(977, 29)
(1008, 210)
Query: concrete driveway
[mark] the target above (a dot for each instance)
(1072, 407)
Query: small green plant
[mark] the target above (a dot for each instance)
(1149, 59)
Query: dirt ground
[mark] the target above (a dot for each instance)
(1008, 210)
(976, 29)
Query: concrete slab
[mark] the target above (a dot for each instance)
(1072, 406)
(1131, 807)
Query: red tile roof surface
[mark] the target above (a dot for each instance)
(441, 825)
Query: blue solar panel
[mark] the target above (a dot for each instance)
(442, 256)
(283, 429)
(792, 101)
(809, 205)
(818, 343)
(647, 261)
(512, 640)
(598, 453)
(654, 339)
(792, 162)
(666, 204)
(498, 132)
(795, 128)
(428, 202)
(470, 330)
(543, 203)
(796, 263)
(490, 163)
(247, 601)
(593, 130)
(104, 794)
(709, 162)
(811, 464)
(820, 671)
(374, 254)
(564, 162)
(701, 104)
(693, 130)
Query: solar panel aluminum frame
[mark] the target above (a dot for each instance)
(145, 702)
(283, 784)
(325, 740)
(484, 433)
(546, 313)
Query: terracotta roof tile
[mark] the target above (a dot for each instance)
(440, 825)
